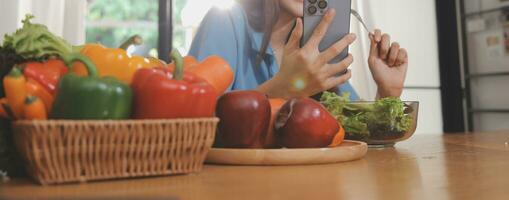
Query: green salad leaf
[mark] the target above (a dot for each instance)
(362, 120)
(36, 42)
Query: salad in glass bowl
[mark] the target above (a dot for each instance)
(379, 123)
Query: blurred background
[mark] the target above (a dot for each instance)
(459, 49)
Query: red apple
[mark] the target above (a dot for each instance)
(244, 119)
(305, 123)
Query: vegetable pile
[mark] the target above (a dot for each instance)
(44, 77)
(387, 117)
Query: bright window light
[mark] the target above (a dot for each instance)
(224, 4)
(195, 10)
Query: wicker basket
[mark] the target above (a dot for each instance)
(62, 151)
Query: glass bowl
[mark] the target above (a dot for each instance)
(380, 139)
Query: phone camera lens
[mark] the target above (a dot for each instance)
(322, 4)
(312, 10)
(312, 1)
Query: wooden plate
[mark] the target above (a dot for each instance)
(347, 151)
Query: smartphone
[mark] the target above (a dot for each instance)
(314, 10)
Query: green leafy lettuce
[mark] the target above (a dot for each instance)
(362, 120)
(36, 42)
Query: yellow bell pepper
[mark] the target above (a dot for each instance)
(114, 62)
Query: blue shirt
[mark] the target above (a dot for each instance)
(227, 33)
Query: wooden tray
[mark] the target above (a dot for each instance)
(347, 151)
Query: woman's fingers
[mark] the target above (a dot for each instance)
(393, 54)
(294, 41)
(378, 35)
(321, 30)
(337, 68)
(337, 80)
(385, 45)
(402, 57)
(373, 49)
(337, 48)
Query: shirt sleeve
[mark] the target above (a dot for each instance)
(216, 36)
(347, 87)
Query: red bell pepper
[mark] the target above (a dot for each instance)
(46, 73)
(160, 93)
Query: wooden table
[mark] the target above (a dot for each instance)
(459, 166)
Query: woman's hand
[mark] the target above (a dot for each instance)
(305, 71)
(388, 64)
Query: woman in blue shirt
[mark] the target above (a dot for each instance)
(252, 37)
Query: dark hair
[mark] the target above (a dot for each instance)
(262, 16)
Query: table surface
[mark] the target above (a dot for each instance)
(452, 166)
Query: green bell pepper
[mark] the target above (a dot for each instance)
(91, 97)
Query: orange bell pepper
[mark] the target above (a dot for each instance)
(189, 61)
(34, 109)
(339, 138)
(214, 69)
(33, 88)
(113, 62)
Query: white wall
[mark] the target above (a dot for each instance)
(9, 14)
(65, 18)
(413, 24)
